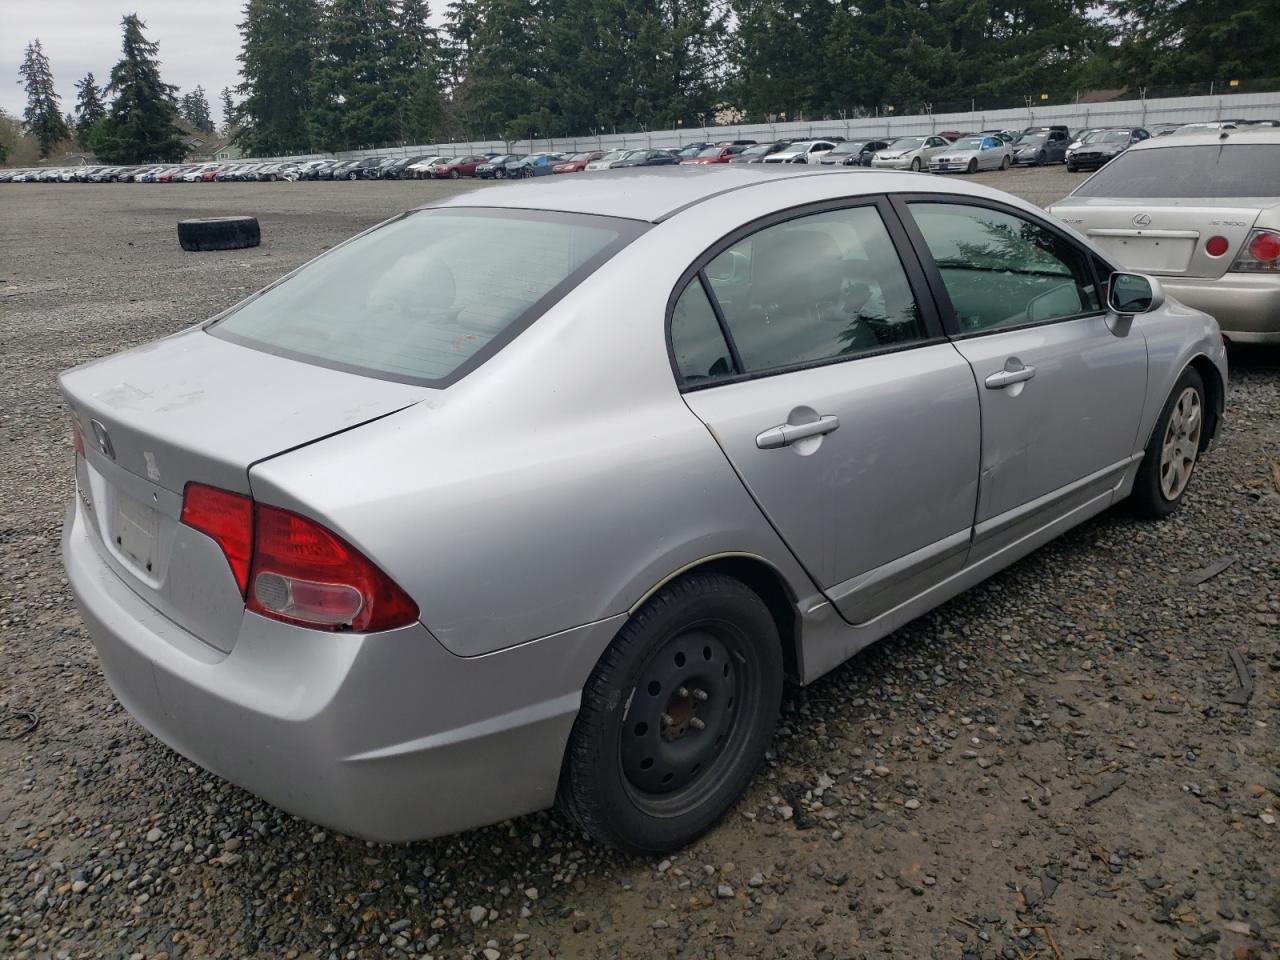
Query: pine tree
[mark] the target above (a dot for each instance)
(139, 126)
(355, 103)
(228, 109)
(416, 56)
(194, 108)
(1190, 41)
(43, 115)
(89, 108)
(277, 57)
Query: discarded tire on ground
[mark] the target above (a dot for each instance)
(219, 233)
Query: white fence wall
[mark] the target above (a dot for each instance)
(1141, 113)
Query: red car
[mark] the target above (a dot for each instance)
(578, 162)
(461, 167)
(716, 154)
(168, 175)
(209, 175)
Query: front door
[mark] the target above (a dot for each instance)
(852, 422)
(1061, 392)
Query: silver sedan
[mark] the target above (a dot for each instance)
(536, 496)
(971, 154)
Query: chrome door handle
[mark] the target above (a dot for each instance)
(786, 434)
(1004, 378)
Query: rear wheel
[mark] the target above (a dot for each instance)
(1173, 450)
(676, 716)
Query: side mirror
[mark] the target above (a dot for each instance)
(1133, 293)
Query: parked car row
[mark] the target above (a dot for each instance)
(951, 151)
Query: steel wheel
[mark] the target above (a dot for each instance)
(681, 720)
(1181, 444)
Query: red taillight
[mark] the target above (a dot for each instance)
(290, 568)
(1260, 254)
(1265, 246)
(303, 573)
(227, 519)
(77, 439)
(1216, 246)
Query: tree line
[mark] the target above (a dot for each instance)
(345, 74)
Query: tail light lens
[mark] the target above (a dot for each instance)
(225, 518)
(1260, 254)
(1216, 246)
(291, 568)
(303, 573)
(77, 438)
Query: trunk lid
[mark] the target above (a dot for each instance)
(197, 408)
(1163, 237)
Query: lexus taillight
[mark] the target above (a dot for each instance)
(76, 438)
(291, 568)
(1260, 254)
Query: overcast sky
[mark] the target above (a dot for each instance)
(198, 42)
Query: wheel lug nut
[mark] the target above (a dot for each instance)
(666, 720)
(700, 695)
(697, 724)
(683, 692)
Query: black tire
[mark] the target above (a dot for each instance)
(1040, 159)
(1070, 168)
(219, 233)
(973, 165)
(454, 174)
(1005, 163)
(1149, 498)
(352, 175)
(915, 165)
(703, 646)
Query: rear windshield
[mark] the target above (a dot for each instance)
(430, 296)
(1212, 171)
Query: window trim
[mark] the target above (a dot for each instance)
(911, 266)
(946, 309)
(628, 231)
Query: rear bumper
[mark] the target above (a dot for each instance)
(1246, 306)
(386, 736)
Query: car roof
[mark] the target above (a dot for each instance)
(653, 194)
(1212, 138)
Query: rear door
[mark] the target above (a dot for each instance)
(1061, 394)
(804, 344)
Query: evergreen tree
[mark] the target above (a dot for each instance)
(461, 20)
(43, 115)
(277, 60)
(89, 108)
(502, 93)
(228, 108)
(416, 66)
(194, 108)
(1189, 41)
(139, 126)
(355, 77)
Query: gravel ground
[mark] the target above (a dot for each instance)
(1049, 767)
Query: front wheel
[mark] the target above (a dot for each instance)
(1173, 450)
(1006, 162)
(351, 176)
(1040, 159)
(1071, 169)
(973, 165)
(915, 165)
(676, 716)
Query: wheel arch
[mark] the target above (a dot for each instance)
(1216, 399)
(766, 581)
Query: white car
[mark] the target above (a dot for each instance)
(609, 159)
(910, 153)
(802, 151)
(422, 169)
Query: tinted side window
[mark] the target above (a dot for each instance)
(815, 288)
(696, 340)
(1001, 270)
